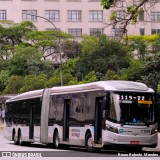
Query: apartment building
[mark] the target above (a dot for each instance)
(76, 17)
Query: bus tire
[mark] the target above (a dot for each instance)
(20, 142)
(14, 139)
(88, 143)
(56, 140)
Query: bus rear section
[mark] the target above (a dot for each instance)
(23, 117)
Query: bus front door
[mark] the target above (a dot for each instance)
(98, 120)
(67, 103)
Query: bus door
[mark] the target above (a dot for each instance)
(98, 120)
(67, 103)
(31, 121)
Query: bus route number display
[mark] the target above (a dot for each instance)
(130, 97)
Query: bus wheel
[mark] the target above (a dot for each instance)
(14, 139)
(88, 143)
(56, 140)
(20, 139)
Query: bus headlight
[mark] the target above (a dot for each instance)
(154, 130)
(112, 129)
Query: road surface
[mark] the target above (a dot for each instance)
(9, 151)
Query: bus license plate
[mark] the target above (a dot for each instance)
(134, 142)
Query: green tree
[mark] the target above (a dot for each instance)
(14, 83)
(146, 67)
(135, 70)
(43, 67)
(45, 40)
(71, 49)
(85, 60)
(158, 89)
(25, 61)
(102, 54)
(4, 65)
(143, 46)
(33, 82)
(90, 77)
(12, 35)
(54, 80)
(131, 11)
(112, 75)
(4, 76)
(139, 46)
(155, 43)
(69, 73)
(151, 71)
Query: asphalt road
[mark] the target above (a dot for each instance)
(9, 151)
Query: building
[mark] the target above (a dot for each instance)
(75, 16)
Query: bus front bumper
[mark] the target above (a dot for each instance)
(109, 138)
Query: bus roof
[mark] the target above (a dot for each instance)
(116, 85)
(100, 85)
(27, 95)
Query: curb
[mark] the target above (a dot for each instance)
(155, 150)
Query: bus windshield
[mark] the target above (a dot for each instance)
(130, 108)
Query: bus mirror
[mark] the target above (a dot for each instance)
(105, 103)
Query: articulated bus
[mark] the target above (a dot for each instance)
(91, 115)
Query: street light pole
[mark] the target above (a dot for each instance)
(59, 43)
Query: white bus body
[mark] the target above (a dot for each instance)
(92, 115)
